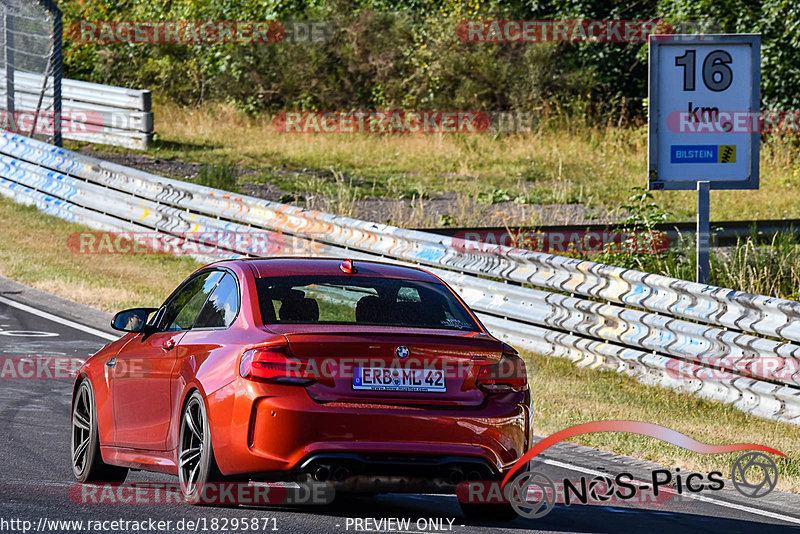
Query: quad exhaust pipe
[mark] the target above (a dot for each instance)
(340, 472)
(455, 476)
(474, 476)
(321, 473)
(324, 473)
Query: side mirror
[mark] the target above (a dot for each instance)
(133, 320)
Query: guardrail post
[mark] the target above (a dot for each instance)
(57, 62)
(703, 231)
(8, 24)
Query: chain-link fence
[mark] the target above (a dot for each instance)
(30, 67)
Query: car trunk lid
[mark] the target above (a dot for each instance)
(395, 365)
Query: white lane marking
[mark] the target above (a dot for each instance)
(701, 498)
(37, 483)
(59, 320)
(27, 333)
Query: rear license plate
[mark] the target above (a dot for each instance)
(388, 379)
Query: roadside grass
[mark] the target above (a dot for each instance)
(753, 266)
(36, 253)
(564, 160)
(218, 177)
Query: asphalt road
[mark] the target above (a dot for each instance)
(35, 477)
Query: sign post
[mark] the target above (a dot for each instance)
(703, 119)
(703, 231)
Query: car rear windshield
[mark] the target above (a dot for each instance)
(367, 300)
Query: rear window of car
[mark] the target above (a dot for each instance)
(367, 300)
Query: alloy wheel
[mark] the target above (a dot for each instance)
(191, 451)
(82, 414)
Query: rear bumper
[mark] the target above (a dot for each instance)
(370, 472)
(275, 430)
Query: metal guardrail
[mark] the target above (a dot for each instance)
(718, 343)
(113, 115)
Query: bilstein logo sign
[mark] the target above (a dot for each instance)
(533, 494)
(703, 154)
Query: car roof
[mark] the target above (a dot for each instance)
(288, 266)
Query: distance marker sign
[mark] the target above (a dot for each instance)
(703, 114)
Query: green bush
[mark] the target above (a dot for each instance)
(405, 55)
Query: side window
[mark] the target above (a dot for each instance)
(221, 307)
(181, 310)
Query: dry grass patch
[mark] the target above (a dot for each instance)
(35, 252)
(87, 294)
(567, 160)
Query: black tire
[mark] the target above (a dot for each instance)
(489, 511)
(196, 463)
(86, 460)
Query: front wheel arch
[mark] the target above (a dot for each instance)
(93, 469)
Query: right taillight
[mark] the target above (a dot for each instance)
(509, 374)
(273, 364)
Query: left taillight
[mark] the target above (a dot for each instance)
(509, 374)
(274, 364)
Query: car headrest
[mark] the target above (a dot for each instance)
(369, 310)
(418, 313)
(297, 310)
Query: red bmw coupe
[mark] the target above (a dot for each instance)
(373, 377)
